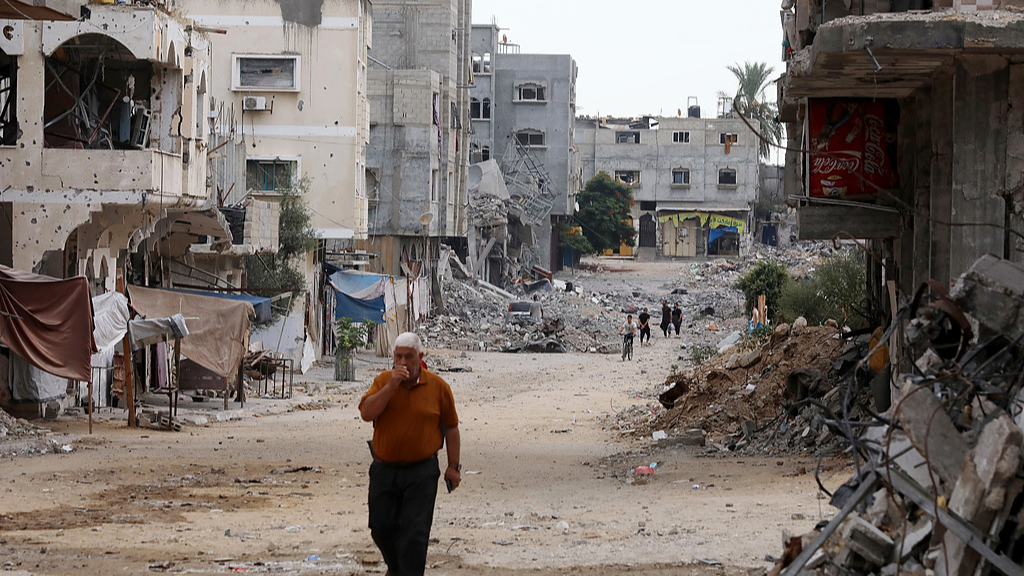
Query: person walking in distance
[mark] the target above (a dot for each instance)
(666, 317)
(628, 331)
(645, 327)
(677, 317)
(536, 311)
(413, 415)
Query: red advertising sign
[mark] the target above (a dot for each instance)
(853, 147)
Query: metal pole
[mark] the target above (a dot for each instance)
(129, 387)
(90, 405)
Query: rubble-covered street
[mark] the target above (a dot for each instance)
(550, 481)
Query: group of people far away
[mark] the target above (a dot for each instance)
(671, 319)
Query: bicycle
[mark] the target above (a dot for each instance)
(627, 347)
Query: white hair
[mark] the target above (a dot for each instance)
(409, 340)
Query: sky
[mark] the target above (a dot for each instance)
(638, 57)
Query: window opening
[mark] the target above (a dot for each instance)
(530, 93)
(270, 175)
(530, 138)
(680, 176)
(628, 177)
(679, 137)
(727, 177)
(627, 137)
(8, 100)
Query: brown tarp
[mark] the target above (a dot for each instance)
(217, 327)
(48, 322)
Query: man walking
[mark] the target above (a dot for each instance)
(645, 327)
(413, 415)
(677, 317)
(666, 317)
(536, 311)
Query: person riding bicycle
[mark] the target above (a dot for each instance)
(628, 331)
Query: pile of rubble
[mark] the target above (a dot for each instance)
(478, 318)
(753, 395)
(11, 427)
(939, 486)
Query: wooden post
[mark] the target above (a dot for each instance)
(90, 406)
(129, 386)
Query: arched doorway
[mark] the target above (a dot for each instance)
(648, 231)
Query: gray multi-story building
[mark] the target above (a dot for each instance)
(694, 179)
(417, 158)
(522, 111)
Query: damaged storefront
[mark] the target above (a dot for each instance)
(690, 234)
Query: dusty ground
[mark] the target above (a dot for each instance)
(265, 494)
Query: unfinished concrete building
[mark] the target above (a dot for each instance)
(694, 180)
(417, 158)
(103, 151)
(909, 123)
(522, 109)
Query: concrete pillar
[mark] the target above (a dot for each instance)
(979, 159)
(941, 200)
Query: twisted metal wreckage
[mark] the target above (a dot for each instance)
(938, 482)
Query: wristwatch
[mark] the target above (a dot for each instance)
(458, 467)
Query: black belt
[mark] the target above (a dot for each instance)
(405, 464)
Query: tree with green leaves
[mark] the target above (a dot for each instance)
(752, 102)
(296, 237)
(605, 215)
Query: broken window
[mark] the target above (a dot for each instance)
(271, 73)
(628, 177)
(680, 137)
(530, 138)
(728, 137)
(485, 109)
(680, 176)
(530, 93)
(97, 96)
(726, 177)
(455, 124)
(435, 185)
(478, 63)
(8, 100)
(270, 175)
(485, 153)
(648, 205)
(487, 63)
(632, 137)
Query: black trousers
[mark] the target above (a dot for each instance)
(645, 331)
(401, 512)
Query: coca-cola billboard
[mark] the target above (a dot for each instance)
(853, 147)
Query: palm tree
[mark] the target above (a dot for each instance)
(754, 78)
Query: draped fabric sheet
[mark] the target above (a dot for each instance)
(110, 313)
(48, 322)
(218, 327)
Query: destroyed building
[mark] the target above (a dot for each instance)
(417, 158)
(522, 109)
(901, 131)
(694, 179)
(104, 142)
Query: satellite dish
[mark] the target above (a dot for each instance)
(426, 218)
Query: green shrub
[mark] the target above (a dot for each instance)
(764, 278)
(698, 354)
(835, 290)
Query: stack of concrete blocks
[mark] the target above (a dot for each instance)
(261, 230)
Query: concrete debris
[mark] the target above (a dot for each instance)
(949, 460)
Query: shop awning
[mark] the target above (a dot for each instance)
(260, 305)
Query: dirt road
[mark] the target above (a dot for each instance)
(545, 487)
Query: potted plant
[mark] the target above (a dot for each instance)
(348, 337)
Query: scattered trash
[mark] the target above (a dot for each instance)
(312, 558)
(660, 435)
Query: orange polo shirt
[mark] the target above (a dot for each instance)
(409, 428)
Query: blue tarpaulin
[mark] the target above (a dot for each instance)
(359, 296)
(260, 304)
(715, 233)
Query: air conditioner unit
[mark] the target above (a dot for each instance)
(254, 104)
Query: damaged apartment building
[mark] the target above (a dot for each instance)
(694, 180)
(904, 124)
(522, 108)
(417, 159)
(103, 155)
(290, 114)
